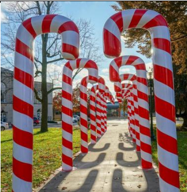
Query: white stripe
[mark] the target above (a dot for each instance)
(92, 103)
(148, 16)
(73, 64)
(24, 64)
(145, 139)
(66, 167)
(22, 154)
(19, 185)
(57, 21)
(83, 115)
(67, 119)
(37, 23)
(142, 88)
(68, 72)
(84, 143)
(83, 102)
(146, 156)
(71, 38)
(141, 74)
(66, 103)
(127, 16)
(67, 88)
(24, 36)
(67, 152)
(168, 159)
(111, 26)
(115, 67)
(22, 122)
(82, 63)
(93, 72)
(138, 61)
(67, 56)
(164, 92)
(137, 142)
(84, 129)
(23, 92)
(143, 122)
(83, 88)
(160, 32)
(144, 104)
(162, 58)
(66, 135)
(167, 187)
(92, 112)
(124, 59)
(166, 126)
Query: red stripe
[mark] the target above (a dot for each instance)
(22, 170)
(83, 109)
(28, 25)
(169, 176)
(162, 44)
(83, 149)
(136, 17)
(112, 46)
(142, 80)
(118, 62)
(68, 65)
(140, 66)
(91, 64)
(67, 79)
(67, 127)
(145, 147)
(67, 144)
(142, 95)
(66, 95)
(167, 142)
(146, 164)
(145, 130)
(159, 20)
(163, 75)
(68, 26)
(131, 60)
(92, 78)
(70, 49)
(84, 136)
(24, 77)
(23, 138)
(84, 82)
(46, 23)
(23, 49)
(143, 113)
(118, 19)
(67, 111)
(22, 107)
(165, 109)
(67, 160)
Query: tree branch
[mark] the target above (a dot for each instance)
(36, 95)
(55, 60)
(180, 38)
(53, 89)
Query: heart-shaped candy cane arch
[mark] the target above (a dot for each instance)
(67, 113)
(163, 84)
(23, 88)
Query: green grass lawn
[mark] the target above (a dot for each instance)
(182, 150)
(46, 158)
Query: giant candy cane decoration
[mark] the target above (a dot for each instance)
(67, 159)
(23, 88)
(84, 115)
(163, 84)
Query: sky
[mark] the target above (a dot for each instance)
(97, 13)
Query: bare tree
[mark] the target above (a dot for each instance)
(47, 46)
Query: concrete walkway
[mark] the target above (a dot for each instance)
(112, 165)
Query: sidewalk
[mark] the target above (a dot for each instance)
(112, 165)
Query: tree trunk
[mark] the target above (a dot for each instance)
(44, 126)
(184, 125)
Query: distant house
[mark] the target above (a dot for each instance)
(7, 97)
(113, 110)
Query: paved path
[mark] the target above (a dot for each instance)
(112, 165)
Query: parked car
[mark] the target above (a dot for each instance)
(35, 121)
(77, 117)
(4, 125)
(75, 120)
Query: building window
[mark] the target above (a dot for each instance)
(3, 92)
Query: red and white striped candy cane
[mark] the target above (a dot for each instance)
(67, 145)
(141, 81)
(98, 115)
(163, 84)
(133, 78)
(93, 114)
(102, 114)
(83, 115)
(23, 88)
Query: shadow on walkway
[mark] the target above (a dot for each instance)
(91, 148)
